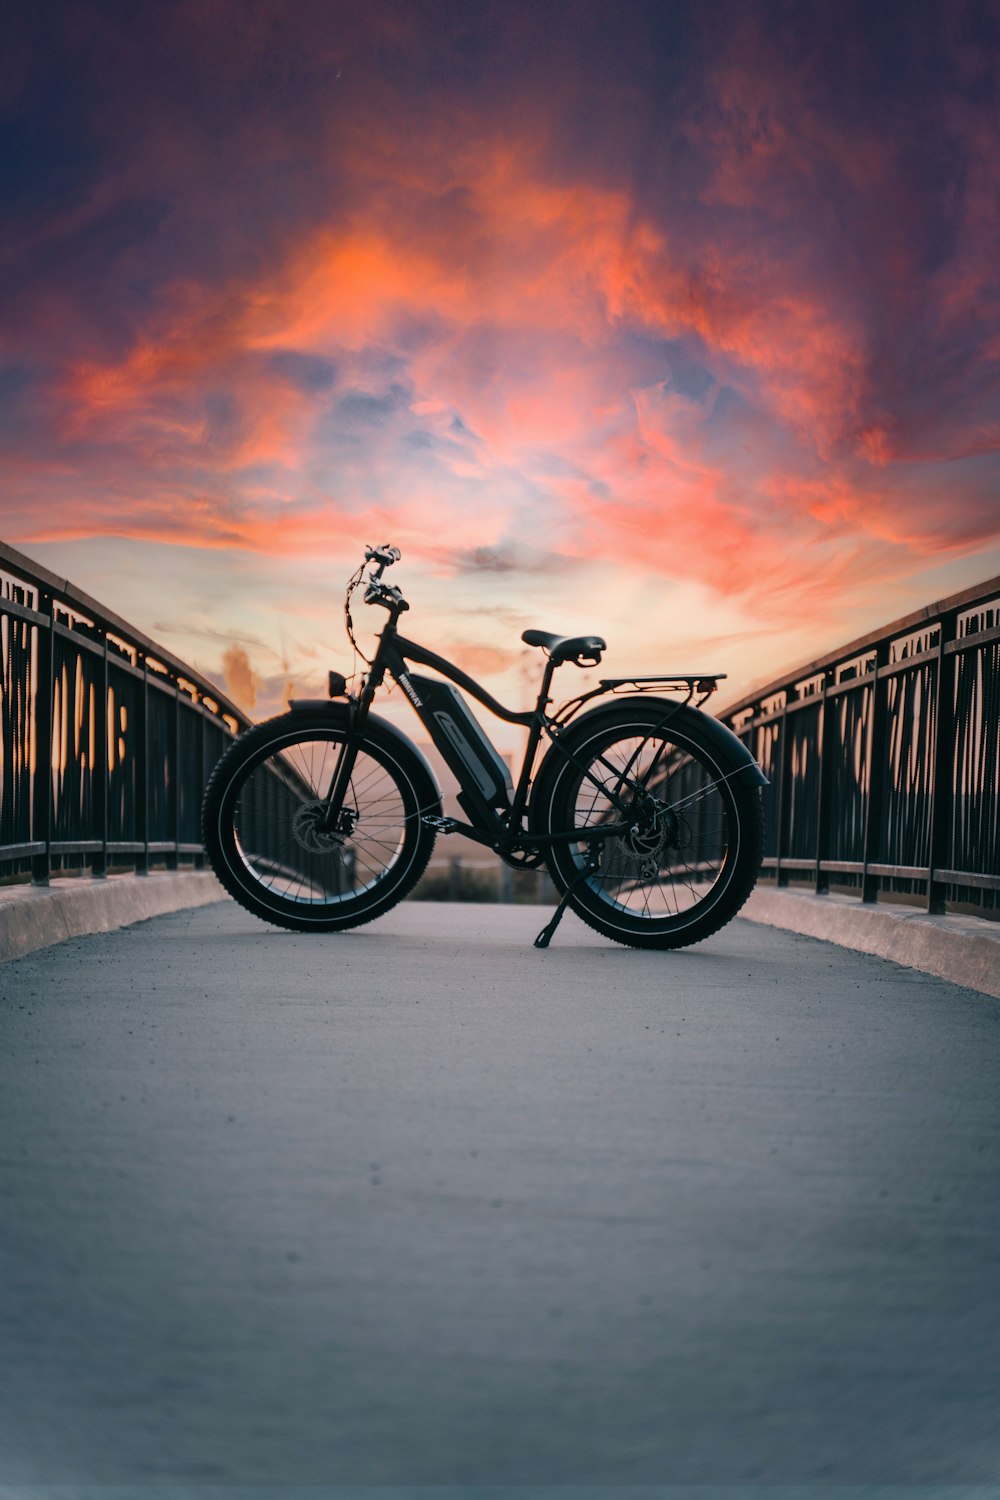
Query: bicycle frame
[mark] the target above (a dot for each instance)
(488, 824)
(500, 828)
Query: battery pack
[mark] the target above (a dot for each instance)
(461, 740)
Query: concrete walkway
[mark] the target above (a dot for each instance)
(419, 1205)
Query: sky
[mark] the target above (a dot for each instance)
(674, 322)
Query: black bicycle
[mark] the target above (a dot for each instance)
(646, 811)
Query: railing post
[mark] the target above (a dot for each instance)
(943, 784)
(173, 860)
(142, 774)
(199, 859)
(823, 792)
(784, 763)
(100, 773)
(41, 812)
(876, 775)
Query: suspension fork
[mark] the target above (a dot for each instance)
(347, 759)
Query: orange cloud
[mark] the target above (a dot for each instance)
(516, 318)
(240, 678)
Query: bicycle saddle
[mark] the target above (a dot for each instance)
(584, 650)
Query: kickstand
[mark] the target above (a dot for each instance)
(593, 864)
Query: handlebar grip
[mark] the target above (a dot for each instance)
(386, 595)
(385, 554)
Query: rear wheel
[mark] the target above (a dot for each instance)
(689, 855)
(262, 822)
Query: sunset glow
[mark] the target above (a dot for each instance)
(677, 323)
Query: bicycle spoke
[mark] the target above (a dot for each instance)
(677, 847)
(281, 824)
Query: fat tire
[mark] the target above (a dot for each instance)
(219, 832)
(554, 810)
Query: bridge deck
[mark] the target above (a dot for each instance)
(420, 1205)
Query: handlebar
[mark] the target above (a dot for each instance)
(377, 592)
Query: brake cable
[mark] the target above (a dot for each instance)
(353, 583)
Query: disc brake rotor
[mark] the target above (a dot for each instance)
(310, 834)
(651, 838)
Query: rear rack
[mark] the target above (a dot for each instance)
(700, 685)
(694, 682)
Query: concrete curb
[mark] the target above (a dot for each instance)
(965, 950)
(34, 917)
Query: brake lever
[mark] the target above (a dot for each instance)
(386, 595)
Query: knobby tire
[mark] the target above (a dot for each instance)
(259, 824)
(693, 861)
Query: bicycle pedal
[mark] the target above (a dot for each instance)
(439, 825)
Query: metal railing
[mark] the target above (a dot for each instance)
(106, 740)
(884, 761)
(883, 756)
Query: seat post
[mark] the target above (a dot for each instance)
(543, 692)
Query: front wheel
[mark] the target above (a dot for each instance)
(691, 848)
(264, 833)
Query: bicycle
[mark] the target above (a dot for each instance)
(646, 811)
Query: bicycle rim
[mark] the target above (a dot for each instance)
(282, 848)
(678, 855)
